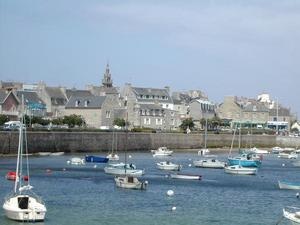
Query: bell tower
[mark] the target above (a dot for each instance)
(107, 81)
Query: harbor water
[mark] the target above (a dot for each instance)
(76, 195)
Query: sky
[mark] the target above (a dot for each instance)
(221, 47)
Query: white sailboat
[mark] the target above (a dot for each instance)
(113, 156)
(23, 204)
(127, 177)
(292, 214)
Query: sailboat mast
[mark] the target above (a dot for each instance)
(18, 180)
(205, 137)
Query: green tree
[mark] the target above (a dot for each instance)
(73, 120)
(215, 122)
(119, 122)
(3, 119)
(58, 121)
(187, 123)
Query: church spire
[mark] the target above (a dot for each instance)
(107, 81)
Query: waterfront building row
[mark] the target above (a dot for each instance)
(155, 108)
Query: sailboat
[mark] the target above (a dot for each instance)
(23, 204)
(113, 156)
(238, 168)
(128, 179)
(246, 159)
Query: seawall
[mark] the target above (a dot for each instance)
(102, 141)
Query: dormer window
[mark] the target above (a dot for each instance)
(86, 102)
(77, 102)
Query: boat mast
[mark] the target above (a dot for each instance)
(205, 137)
(240, 131)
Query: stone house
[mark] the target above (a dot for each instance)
(33, 104)
(97, 111)
(279, 118)
(9, 104)
(54, 98)
(201, 109)
(150, 107)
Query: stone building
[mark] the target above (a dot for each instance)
(201, 109)
(97, 111)
(150, 107)
(33, 104)
(54, 98)
(9, 104)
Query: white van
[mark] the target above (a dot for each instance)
(12, 125)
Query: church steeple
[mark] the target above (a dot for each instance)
(107, 81)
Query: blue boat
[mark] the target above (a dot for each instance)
(95, 159)
(243, 161)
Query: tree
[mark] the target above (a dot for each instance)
(215, 122)
(119, 122)
(3, 119)
(73, 120)
(187, 123)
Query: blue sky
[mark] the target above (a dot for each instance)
(225, 47)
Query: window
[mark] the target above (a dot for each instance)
(147, 121)
(77, 102)
(107, 114)
(172, 113)
(172, 122)
(158, 121)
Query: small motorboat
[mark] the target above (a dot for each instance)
(237, 169)
(95, 159)
(11, 175)
(57, 153)
(292, 214)
(113, 157)
(130, 182)
(289, 185)
(123, 169)
(167, 165)
(76, 161)
(185, 176)
(162, 151)
(209, 163)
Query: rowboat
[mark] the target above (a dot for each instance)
(289, 185)
(185, 176)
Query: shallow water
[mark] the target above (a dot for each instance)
(86, 195)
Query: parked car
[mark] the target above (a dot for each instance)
(12, 125)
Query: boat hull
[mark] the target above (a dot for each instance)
(244, 162)
(185, 176)
(95, 159)
(169, 167)
(294, 217)
(122, 171)
(288, 185)
(34, 212)
(130, 183)
(209, 164)
(240, 170)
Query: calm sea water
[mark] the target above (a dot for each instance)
(86, 195)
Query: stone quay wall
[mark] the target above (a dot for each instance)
(102, 141)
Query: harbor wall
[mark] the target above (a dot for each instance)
(102, 141)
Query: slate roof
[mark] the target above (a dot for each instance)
(93, 102)
(78, 93)
(152, 92)
(55, 92)
(255, 106)
(29, 96)
(3, 96)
